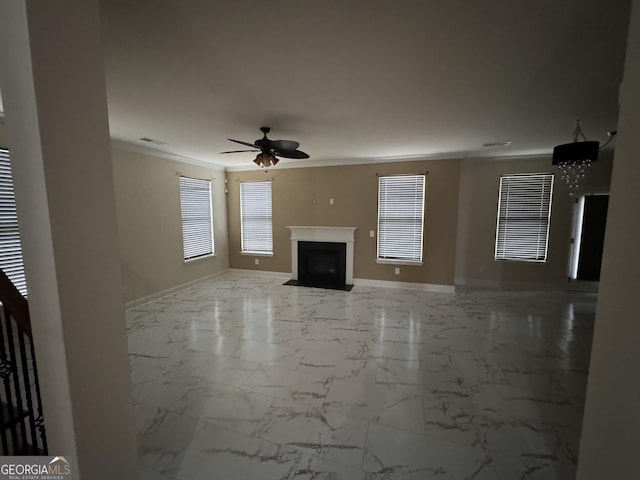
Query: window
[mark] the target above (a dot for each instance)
(197, 221)
(255, 214)
(400, 218)
(524, 211)
(10, 249)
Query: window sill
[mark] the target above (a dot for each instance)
(521, 260)
(257, 254)
(386, 261)
(195, 259)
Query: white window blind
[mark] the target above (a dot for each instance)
(197, 220)
(400, 217)
(256, 221)
(524, 211)
(10, 248)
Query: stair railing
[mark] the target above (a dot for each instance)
(22, 429)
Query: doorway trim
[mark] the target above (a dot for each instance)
(576, 243)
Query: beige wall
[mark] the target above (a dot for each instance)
(479, 186)
(149, 226)
(4, 140)
(149, 229)
(145, 213)
(611, 429)
(301, 197)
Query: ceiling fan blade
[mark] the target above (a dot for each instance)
(244, 143)
(283, 144)
(290, 153)
(239, 151)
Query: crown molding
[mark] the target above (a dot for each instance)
(350, 161)
(130, 147)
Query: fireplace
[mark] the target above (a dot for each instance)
(322, 257)
(322, 264)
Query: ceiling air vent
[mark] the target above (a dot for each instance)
(151, 140)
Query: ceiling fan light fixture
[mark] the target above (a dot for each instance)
(268, 149)
(266, 160)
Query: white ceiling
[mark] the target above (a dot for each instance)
(358, 80)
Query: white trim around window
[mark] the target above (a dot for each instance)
(401, 203)
(524, 215)
(10, 247)
(197, 218)
(256, 222)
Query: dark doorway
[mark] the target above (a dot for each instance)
(592, 238)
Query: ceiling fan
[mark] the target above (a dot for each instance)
(269, 150)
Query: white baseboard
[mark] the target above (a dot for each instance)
(505, 285)
(362, 282)
(583, 286)
(424, 287)
(169, 291)
(262, 273)
(474, 282)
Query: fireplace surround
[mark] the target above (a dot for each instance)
(325, 253)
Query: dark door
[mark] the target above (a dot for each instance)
(592, 240)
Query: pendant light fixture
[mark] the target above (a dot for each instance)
(574, 159)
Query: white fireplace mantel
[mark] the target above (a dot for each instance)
(323, 234)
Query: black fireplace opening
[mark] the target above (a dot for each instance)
(322, 264)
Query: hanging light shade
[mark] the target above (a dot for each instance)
(575, 158)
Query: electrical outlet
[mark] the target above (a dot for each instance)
(397, 270)
(331, 201)
(257, 261)
(372, 233)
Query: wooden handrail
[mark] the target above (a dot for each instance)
(18, 306)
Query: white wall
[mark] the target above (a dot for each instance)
(610, 444)
(53, 85)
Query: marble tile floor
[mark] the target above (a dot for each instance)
(241, 377)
